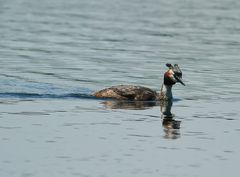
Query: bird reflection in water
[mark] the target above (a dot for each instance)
(170, 125)
(131, 105)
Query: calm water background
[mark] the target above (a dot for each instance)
(54, 53)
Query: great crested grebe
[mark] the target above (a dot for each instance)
(139, 93)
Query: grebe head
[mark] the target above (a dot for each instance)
(173, 75)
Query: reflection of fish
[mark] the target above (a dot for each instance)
(170, 123)
(139, 93)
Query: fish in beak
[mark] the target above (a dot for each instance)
(179, 79)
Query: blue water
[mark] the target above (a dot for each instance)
(55, 53)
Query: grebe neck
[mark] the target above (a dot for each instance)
(166, 92)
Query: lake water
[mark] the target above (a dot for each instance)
(54, 53)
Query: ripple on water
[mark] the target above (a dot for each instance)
(192, 133)
(70, 124)
(196, 149)
(221, 117)
(10, 128)
(140, 135)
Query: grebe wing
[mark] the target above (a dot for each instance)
(135, 92)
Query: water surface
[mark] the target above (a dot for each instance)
(53, 54)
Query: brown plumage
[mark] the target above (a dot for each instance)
(127, 92)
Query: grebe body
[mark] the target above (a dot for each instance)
(127, 92)
(140, 93)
